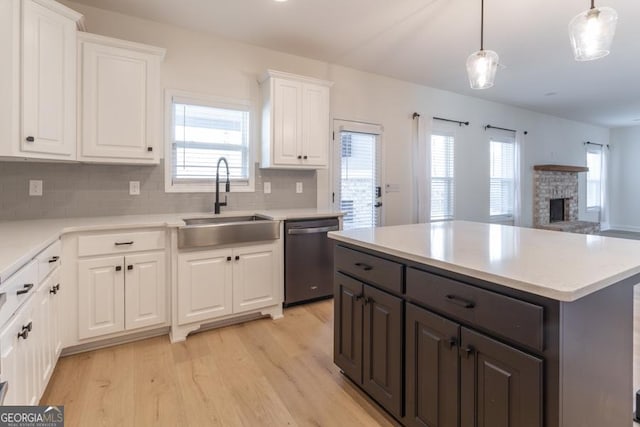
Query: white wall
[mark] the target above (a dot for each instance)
(203, 63)
(625, 178)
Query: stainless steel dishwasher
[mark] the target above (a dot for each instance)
(308, 263)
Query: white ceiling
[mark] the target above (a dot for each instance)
(428, 41)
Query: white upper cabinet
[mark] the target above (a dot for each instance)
(38, 44)
(295, 121)
(120, 110)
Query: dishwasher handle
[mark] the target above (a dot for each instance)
(314, 230)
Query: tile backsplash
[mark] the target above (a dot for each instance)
(75, 190)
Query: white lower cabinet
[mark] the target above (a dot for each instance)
(221, 282)
(118, 293)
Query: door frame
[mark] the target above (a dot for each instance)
(363, 127)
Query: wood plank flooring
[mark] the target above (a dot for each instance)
(261, 373)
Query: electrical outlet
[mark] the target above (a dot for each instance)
(267, 188)
(298, 187)
(35, 187)
(134, 188)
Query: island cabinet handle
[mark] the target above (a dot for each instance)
(368, 300)
(359, 297)
(453, 342)
(124, 243)
(467, 352)
(25, 289)
(53, 259)
(363, 266)
(460, 301)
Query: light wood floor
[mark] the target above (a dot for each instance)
(261, 373)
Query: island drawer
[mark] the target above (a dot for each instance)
(115, 243)
(508, 317)
(369, 268)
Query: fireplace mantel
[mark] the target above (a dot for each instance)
(560, 168)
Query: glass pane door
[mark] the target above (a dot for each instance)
(357, 190)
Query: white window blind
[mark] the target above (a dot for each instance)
(201, 135)
(359, 179)
(594, 178)
(502, 178)
(442, 176)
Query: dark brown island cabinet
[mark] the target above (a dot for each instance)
(438, 349)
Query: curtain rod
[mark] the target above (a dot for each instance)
(451, 121)
(508, 130)
(595, 143)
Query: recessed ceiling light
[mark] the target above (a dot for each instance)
(636, 120)
(550, 93)
(280, 1)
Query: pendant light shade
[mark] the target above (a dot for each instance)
(483, 64)
(481, 69)
(591, 33)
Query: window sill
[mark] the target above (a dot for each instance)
(207, 188)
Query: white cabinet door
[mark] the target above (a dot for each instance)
(255, 278)
(12, 367)
(205, 285)
(315, 125)
(100, 296)
(48, 83)
(43, 333)
(287, 123)
(145, 291)
(120, 103)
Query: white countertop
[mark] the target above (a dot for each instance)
(20, 241)
(552, 264)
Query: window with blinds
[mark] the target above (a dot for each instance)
(359, 179)
(202, 134)
(502, 178)
(594, 178)
(442, 176)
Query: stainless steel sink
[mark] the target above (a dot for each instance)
(219, 231)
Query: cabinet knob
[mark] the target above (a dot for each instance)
(228, 258)
(30, 139)
(359, 297)
(28, 326)
(453, 342)
(305, 157)
(118, 267)
(129, 267)
(299, 157)
(24, 334)
(237, 257)
(149, 148)
(53, 290)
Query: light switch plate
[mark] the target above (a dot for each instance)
(134, 188)
(35, 187)
(298, 187)
(267, 188)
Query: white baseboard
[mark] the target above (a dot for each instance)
(624, 227)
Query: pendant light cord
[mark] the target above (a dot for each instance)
(482, 24)
(593, 6)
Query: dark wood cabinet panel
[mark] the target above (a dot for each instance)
(500, 386)
(382, 351)
(347, 346)
(432, 369)
(371, 269)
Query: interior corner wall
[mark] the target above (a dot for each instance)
(624, 176)
(205, 63)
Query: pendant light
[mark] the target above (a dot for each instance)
(592, 31)
(483, 64)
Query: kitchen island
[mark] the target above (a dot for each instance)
(471, 324)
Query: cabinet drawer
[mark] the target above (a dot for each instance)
(48, 260)
(16, 289)
(510, 318)
(115, 243)
(371, 269)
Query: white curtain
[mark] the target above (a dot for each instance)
(517, 198)
(604, 191)
(421, 170)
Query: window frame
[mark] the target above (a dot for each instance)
(504, 139)
(452, 180)
(178, 96)
(598, 207)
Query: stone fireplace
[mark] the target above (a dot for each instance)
(555, 204)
